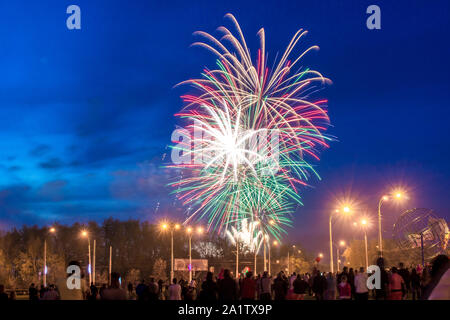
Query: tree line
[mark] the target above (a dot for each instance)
(140, 250)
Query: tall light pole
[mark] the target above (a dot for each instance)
(51, 230)
(256, 252)
(190, 231)
(289, 262)
(237, 258)
(164, 227)
(264, 247)
(85, 234)
(380, 238)
(272, 222)
(396, 195)
(346, 210)
(364, 226)
(268, 248)
(93, 265)
(256, 246)
(275, 243)
(45, 263)
(289, 259)
(110, 264)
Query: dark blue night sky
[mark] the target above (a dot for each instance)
(86, 115)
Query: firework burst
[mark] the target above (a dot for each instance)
(253, 131)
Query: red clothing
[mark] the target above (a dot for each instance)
(248, 288)
(395, 287)
(345, 291)
(395, 282)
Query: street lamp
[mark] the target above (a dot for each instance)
(364, 225)
(51, 230)
(85, 234)
(164, 227)
(272, 222)
(275, 243)
(345, 210)
(289, 259)
(397, 195)
(190, 231)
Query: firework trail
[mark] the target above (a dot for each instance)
(253, 131)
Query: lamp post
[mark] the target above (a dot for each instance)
(51, 230)
(45, 263)
(275, 243)
(264, 250)
(289, 263)
(345, 210)
(93, 264)
(364, 226)
(190, 231)
(237, 257)
(256, 251)
(85, 234)
(289, 260)
(272, 222)
(110, 264)
(395, 195)
(256, 244)
(164, 227)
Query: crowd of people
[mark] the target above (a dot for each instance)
(396, 283)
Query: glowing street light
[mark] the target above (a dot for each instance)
(272, 222)
(190, 231)
(397, 195)
(289, 257)
(268, 247)
(346, 210)
(85, 234)
(365, 224)
(51, 230)
(165, 226)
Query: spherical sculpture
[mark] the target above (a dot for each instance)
(420, 225)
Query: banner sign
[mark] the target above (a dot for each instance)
(197, 265)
